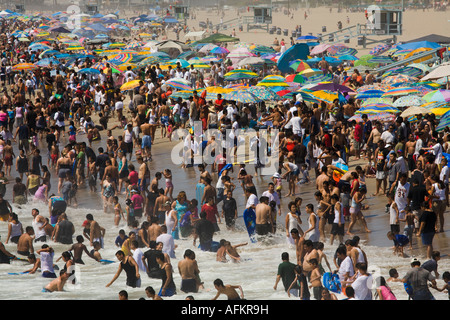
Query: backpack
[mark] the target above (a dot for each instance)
(60, 116)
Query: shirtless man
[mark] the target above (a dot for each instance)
(25, 243)
(147, 140)
(160, 202)
(263, 217)
(209, 191)
(322, 178)
(144, 175)
(228, 290)
(154, 229)
(410, 147)
(164, 114)
(203, 173)
(78, 249)
(339, 141)
(310, 253)
(112, 171)
(97, 233)
(372, 141)
(155, 180)
(58, 283)
(188, 270)
(232, 252)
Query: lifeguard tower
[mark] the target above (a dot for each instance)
(181, 12)
(261, 19)
(382, 25)
(19, 8)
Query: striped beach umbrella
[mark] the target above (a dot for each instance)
(369, 94)
(346, 51)
(296, 78)
(179, 84)
(23, 67)
(381, 60)
(399, 78)
(444, 122)
(299, 65)
(381, 116)
(379, 49)
(401, 91)
(377, 108)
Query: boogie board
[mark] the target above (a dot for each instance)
(331, 282)
(104, 261)
(250, 223)
(199, 194)
(336, 174)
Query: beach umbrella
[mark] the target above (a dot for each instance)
(440, 95)
(263, 93)
(310, 72)
(380, 48)
(319, 49)
(177, 83)
(408, 101)
(381, 60)
(219, 50)
(322, 95)
(183, 94)
(347, 57)
(401, 91)
(242, 96)
(59, 29)
(414, 110)
(299, 65)
(47, 61)
(410, 72)
(376, 100)
(296, 78)
(207, 47)
(334, 48)
(235, 76)
(261, 50)
(334, 87)
(130, 85)
(297, 51)
(437, 108)
(440, 72)
(307, 37)
(318, 78)
(273, 81)
(369, 94)
(121, 58)
(346, 51)
(399, 78)
(23, 67)
(252, 61)
(90, 71)
(444, 122)
(380, 116)
(376, 108)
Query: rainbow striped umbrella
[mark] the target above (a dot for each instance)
(376, 101)
(298, 65)
(377, 108)
(401, 91)
(179, 84)
(369, 94)
(379, 49)
(121, 58)
(23, 67)
(444, 122)
(296, 78)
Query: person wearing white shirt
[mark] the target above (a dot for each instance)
(167, 241)
(129, 75)
(388, 135)
(252, 200)
(295, 124)
(363, 283)
(273, 196)
(137, 256)
(179, 73)
(346, 270)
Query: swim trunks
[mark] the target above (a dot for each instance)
(188, 285)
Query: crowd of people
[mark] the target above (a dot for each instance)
(93, 139)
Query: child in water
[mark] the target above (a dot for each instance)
(169, 186)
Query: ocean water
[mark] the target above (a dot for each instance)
(256, 273)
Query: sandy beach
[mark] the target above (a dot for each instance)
(416, 23)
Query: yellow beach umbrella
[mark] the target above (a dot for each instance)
(130, 85)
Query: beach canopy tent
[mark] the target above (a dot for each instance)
(432, 38)
(195, 35)
(297, 51)
(440, 72)
(218, 38)
(418, 45)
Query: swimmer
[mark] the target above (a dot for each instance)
(228, 290)
(58, 283)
